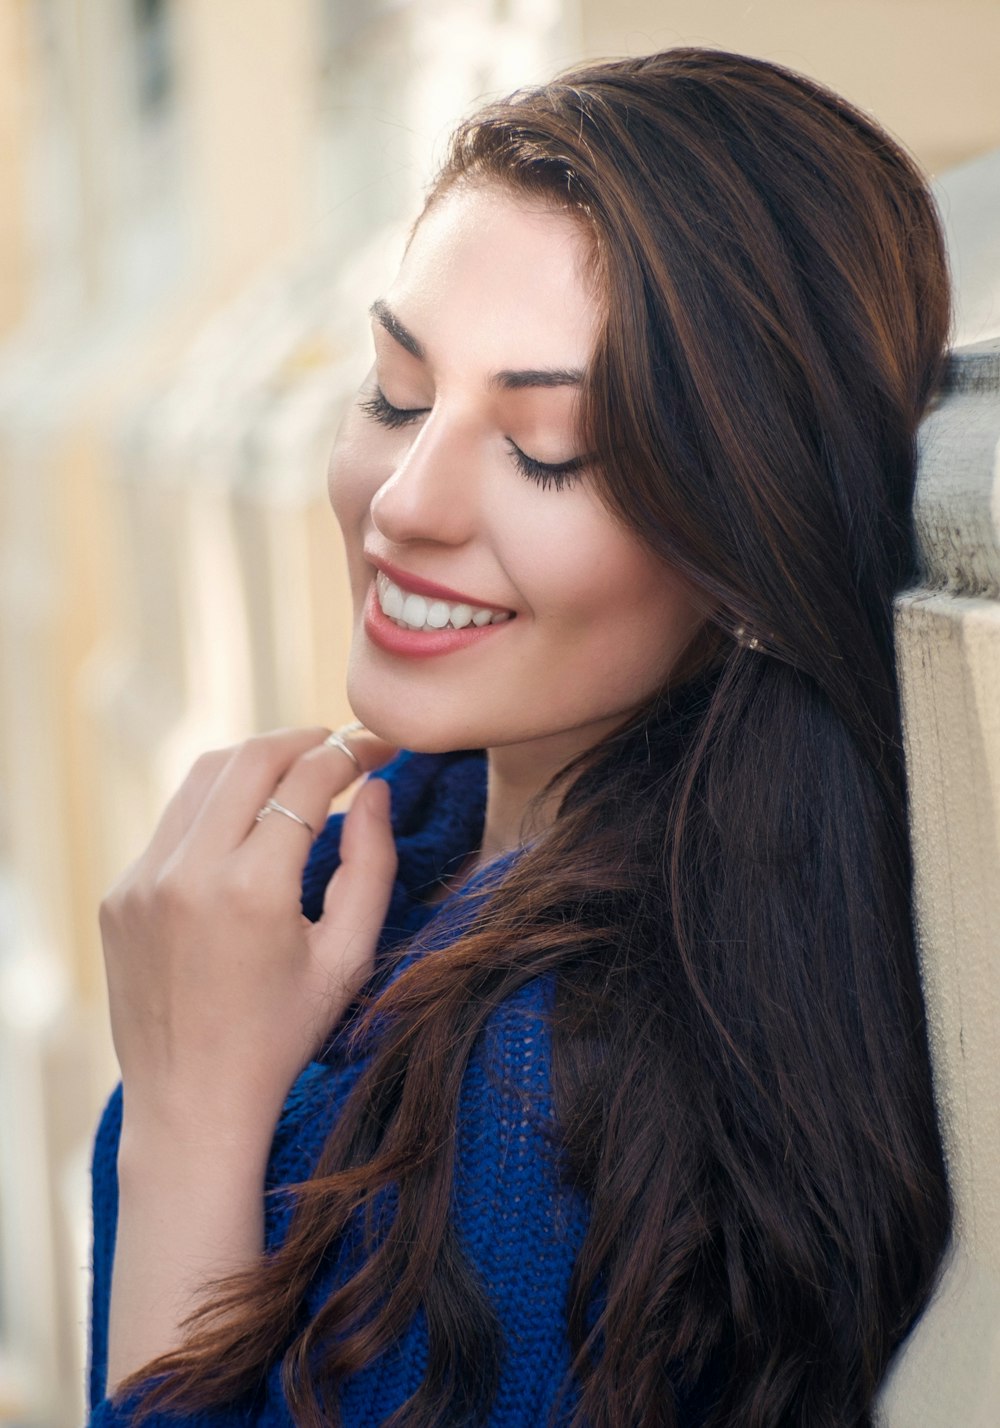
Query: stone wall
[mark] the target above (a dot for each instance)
(948, 639)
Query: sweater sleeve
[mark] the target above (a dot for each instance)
(520, 1227)
(104, 1200)
(104, 1181)
(307, 1116)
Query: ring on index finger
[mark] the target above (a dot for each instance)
(272, 805)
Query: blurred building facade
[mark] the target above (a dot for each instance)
(199, 199)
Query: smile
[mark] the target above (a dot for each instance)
(418, 612)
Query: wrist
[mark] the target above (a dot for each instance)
(163, 1133)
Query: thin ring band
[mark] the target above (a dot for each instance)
(336, 741)
(273, 804)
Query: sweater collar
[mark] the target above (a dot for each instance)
(438, 811)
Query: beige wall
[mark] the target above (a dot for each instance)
(250, 80)
(14, 95)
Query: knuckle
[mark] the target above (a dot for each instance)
(119, 896)
(112, 896)
(109, 911)
(262, 750)
(124, 907)
(278, 743)
(204, 771)
(210, 761)
(318, 758)
(173, 890)
(256, 744)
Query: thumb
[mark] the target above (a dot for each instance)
(367, 831)
(357, 896)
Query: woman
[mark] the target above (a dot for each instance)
(593, 1087)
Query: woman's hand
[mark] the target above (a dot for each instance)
(220, 990)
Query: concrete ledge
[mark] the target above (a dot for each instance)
(948, 1373)
(948, 646)
(957, 497)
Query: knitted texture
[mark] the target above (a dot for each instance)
(520, 1227)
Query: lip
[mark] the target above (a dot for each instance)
(419, 644)
(417, 585)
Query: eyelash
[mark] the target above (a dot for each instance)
(544, 474)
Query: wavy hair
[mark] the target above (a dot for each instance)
(740, 1066)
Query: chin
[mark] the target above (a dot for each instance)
(421, 734)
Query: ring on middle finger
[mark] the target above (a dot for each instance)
(336, 741)
(272, 805)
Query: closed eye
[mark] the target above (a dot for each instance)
(544, 473)
(383, 411)
(557, 474)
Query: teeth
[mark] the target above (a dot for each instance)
(414, 612)
(390, 598)
(437, 615)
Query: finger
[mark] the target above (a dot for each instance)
(364, 751)
(246, 782)
(307, 790)
(357, 896)
(183, 808)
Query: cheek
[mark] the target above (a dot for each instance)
(615, 610)
(352, 476)
(584, 567)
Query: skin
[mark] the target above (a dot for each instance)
(219, 990)
(492, 282)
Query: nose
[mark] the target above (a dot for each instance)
(431, 495)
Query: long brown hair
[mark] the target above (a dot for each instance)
(739, 1057)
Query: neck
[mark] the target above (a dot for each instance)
(516, 773)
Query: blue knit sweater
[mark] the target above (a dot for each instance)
(520, 1227)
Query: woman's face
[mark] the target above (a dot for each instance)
(460, 482)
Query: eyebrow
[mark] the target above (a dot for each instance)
(383, 313)
(511, 381)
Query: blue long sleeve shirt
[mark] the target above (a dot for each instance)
(520, 1226)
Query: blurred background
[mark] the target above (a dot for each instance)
(198, 200)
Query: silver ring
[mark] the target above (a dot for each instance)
(334, 741)
(273, 804)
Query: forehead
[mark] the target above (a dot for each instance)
(502, 272)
